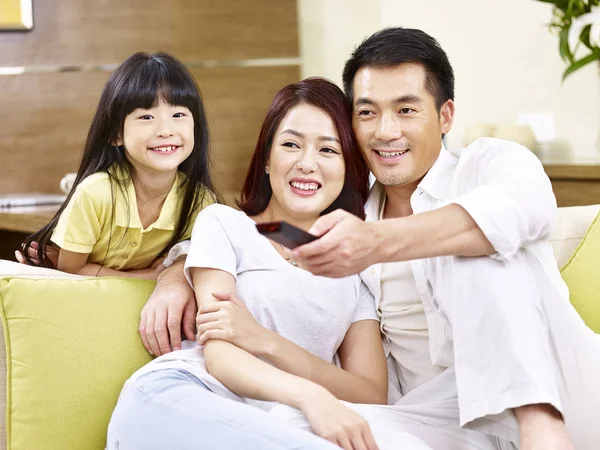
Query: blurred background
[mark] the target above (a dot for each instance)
(508, 78)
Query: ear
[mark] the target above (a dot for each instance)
(118, 142)
(447, 116)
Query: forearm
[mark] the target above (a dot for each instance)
(292, 358)
(248, 376)
(449, 230)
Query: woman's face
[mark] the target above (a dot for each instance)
(306, 166)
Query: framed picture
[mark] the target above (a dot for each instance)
(16, 15)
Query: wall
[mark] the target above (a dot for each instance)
(240, 51)
(506, 61)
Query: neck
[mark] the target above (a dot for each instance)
(397, 202)
(149, 186)
(273, 213)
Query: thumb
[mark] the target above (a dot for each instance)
(189, 321)
(327, 222)
(221, 296)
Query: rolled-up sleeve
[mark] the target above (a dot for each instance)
(510, 196)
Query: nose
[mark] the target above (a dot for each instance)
(388, 127)
(307, 162)
(164, 128)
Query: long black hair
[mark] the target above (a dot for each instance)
(141, 81)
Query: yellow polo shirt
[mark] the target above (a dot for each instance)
(102, 220)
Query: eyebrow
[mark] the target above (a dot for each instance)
(408, 98)
(322, 138)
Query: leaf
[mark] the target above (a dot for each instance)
(579, 64)
(563, 46)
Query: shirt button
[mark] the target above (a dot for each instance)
(133, 244)
(115, 267)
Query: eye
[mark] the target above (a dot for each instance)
(179, 114)
(365, 112)
(290, 145)
(407, 111)
(330, 150)
(146, 117)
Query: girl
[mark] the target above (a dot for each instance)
(268, 330)
(143, 178)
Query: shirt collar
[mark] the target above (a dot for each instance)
(436, 182)
(126, 212)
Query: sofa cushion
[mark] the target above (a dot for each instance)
(571, 225)
(582, 275)
(70, 346)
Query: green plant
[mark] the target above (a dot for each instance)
(577, 23)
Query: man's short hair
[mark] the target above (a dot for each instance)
(396, 45)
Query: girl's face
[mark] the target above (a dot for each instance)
(158, 139)
(306, 166)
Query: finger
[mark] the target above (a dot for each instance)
(211, 307)
(357, 441)
(344, 442)
(207, 317)
(19, 257)
(216, 325)
(161, 331)
(325, 223)
(226, 296)
(212, 334)
(189, 320)
(34, 245)
(142, 330)
(369, 439)
(321, 246)
(174, 325)
(222, 296)
(150, 335)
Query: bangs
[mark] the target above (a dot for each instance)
(155, 79)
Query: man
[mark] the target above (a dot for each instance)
(455, 250)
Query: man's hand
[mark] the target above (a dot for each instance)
(349, 246)
(170, 308)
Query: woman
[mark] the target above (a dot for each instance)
(269, 330)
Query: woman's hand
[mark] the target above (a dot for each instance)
(229, 320)
(334, 421)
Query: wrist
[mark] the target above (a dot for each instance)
(306, 393)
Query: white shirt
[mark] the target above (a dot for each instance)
(313, 312)
(504, 188)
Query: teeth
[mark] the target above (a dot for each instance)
(305, 186)
(164, 149)
(391, 154)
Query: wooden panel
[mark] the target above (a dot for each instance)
(575, 185)
(576, 192)
(75, 32)
(45, 118)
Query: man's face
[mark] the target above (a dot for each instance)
(396, 122)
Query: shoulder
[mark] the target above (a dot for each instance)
(97, 187)
(228, 217)
(499, 151)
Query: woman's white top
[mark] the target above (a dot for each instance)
(313, 312)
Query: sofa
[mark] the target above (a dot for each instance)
(34, 409)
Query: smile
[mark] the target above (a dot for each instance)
(305, 186)
(390, 155)
(165, 149)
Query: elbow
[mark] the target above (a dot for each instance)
(376, 394)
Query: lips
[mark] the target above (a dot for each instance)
(390, 154)
(304, 187)
(164, 148)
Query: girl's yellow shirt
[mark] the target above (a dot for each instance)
(102, 220)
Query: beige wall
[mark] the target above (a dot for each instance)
(505, 59)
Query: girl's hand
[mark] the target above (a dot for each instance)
(51, 252)
(229, 320)
(151, 273)
(332, 420)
